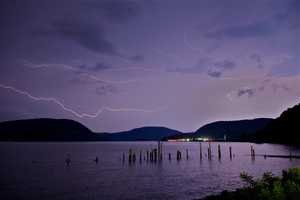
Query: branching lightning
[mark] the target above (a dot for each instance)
(75, 113)
(68, 67)
(90, 76)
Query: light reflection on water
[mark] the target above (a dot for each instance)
(38, 170)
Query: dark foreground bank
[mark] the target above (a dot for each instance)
(286, 187)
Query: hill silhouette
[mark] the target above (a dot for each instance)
(140, 134)
(284, 129)
(234, 130)
(45, 129)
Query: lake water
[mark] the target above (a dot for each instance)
(39, 171)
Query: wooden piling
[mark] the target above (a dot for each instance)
(161, 150)
(230, 153)
(200, 151)
(133, 157)
(210, 154)
(169, 156)
(158, 149)
(219, 151)
(178, 155)
(147, 155)
(123, 159)
(252, 152)
(130, 155)
(140, 156)
(155, 155)
(187, 154)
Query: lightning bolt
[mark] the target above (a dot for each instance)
(68, 67)
(90, 76)
(75, 113)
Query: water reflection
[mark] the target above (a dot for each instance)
(113, 177)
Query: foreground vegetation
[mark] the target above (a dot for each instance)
(267, 188)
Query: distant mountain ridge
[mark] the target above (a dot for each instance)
(234, 130)
(284, 129)
(46, 129)
(140, 134)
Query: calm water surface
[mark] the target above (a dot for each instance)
(38, 170)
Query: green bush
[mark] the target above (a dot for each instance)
(268, 187)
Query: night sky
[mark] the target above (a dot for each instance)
(115, 64)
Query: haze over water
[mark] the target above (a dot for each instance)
(38, 170)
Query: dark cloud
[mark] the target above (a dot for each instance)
(290, 15)
(214, 74)
(257, 59)
(137, 58)
(199, 67)
(266, 84)
(280, 86)
(249, 92)
(257, 29)
(97, 67)
(106, 89)
(88, 35)
(225, 65)
(209, 66)
(220, 67)
(284, 15)
(117, 10)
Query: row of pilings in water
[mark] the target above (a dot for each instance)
(156, 154)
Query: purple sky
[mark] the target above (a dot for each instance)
(116, 64)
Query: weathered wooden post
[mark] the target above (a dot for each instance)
(187, 154)
(123, 159)
(68, 160)
(155, 155)
(133, 157)
(158, 149)
(208, 153)
(200, 151)
(147, 155)
(140, 156)
(252, 152)
(130, 155)
(161, 150)
(219, 151)
(169, 156)
(151, 155)
(230, 153)
(178, 155)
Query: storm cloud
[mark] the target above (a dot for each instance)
(111, 64)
